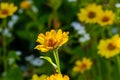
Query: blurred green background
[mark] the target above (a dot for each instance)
(22, 28)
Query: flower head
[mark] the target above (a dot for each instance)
(83, 65)
(58, 77)
(108, 48)
(7, 9)
(51, 40)
(36, 77)
(106, 18)
(25, 4)
(90, 13)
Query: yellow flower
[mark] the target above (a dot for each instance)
(90, 13)
(25, 4)
(83, 65)
(51, 40)
(106, 18)
(107, 48)
(58, 77)
(36, 77)
(7, 9)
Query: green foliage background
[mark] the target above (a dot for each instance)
(30, 24)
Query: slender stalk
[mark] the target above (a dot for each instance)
(50, 20)
(109, 30)
(56, 56)
(109, 68)
(84, 77)
(99, 68)
(4, 48)
(4, 54)
(118, 62)
(103, 33)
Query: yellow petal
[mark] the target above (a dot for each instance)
(41, 38)
(78, 62)
(59, 32)
(53, 33)
(76, 69)
(42, 48)
(64, 38)
(66, 77)
(4, 6)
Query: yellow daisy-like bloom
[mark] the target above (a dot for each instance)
(83, 65)
(106, 18)
(108, 48)
(90, 13)
(51, 40)
(58, 77)
(25, 4)
(7, 9)
(36, 77)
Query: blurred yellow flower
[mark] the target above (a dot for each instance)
(107, 48)
(25, 4)
(106, 18)
(36, 77)
(7, 9)
(51, 40)
(90, 13)
(58, 77)
(83, 65)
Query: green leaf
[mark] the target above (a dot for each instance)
(49, 60)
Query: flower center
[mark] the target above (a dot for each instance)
(83, 66)
(111, 46)
(105, 19)
(51, 43)
(91, 14)
(4, 11)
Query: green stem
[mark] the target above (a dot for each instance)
(109, 30)
(50, 20)
(4, 53)
(109, 69)
(118, 62)
(103, 33)
(4, 48)
(56, 56)
(99, 68)
(84, 77)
